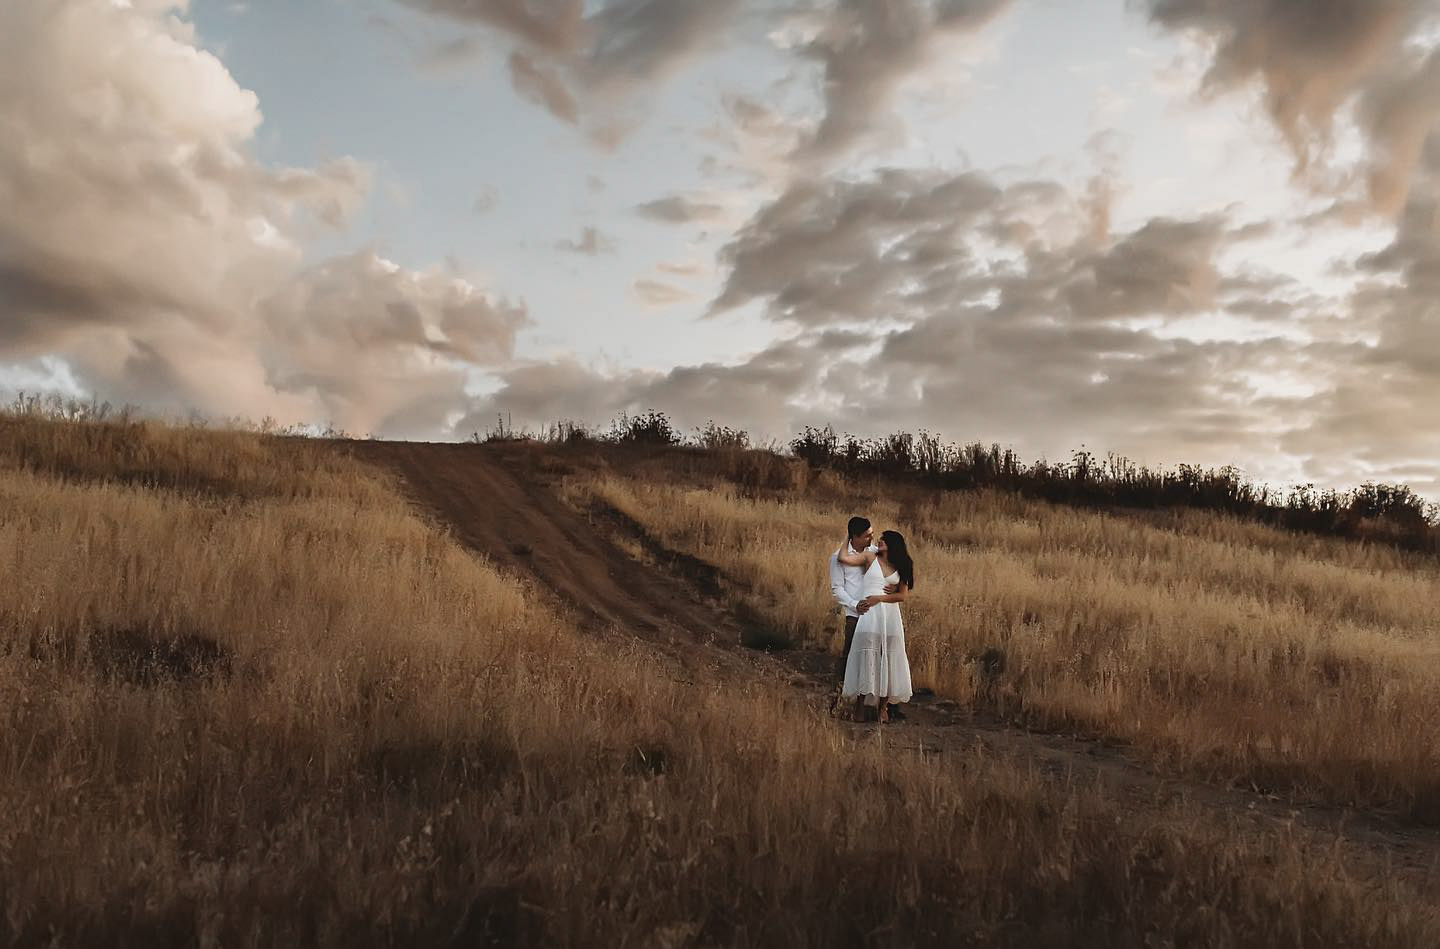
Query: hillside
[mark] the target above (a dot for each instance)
(1222, 648)
(277, 691)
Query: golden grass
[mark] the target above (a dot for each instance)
(1227, 648)
(249, 699)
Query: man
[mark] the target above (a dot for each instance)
(847, 583)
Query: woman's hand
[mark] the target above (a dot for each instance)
(864, 605)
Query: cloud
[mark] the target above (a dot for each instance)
(994, 311)
(758, 139)
(151, 252)
(866, 49)
(654, 293)
(958, 304)
(1310, 59)
(378, 306)
(578, 66)
(678, 209)
(556, 26)
(644, 40)
(761, 391)
(1041, 387)
(837, 250)
(461, 52)
(1369, 414)
(688, 268)
(375, 343)
(543, 87)
(535, 394)
(900, 244)
(565, 58)
(486, 201)
(1165, 266)
(1398, 111)
(591, 242)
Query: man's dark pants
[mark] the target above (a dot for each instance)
(850, 622)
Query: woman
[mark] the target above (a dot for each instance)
(878, 672)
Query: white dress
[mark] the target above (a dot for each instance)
(878, 667)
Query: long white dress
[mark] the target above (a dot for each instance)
(878, 667)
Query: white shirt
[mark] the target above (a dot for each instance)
(847, 583)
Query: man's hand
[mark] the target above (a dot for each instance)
(864, 605)
(892, 588)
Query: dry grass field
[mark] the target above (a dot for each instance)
(1303, 665)
(251, 697)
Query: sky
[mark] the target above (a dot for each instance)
(1186, 231)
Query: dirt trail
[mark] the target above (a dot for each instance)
(497, 500)
(519, 523)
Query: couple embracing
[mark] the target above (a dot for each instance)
(870, 579)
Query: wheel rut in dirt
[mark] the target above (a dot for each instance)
(498, 501)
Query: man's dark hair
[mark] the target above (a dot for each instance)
(857, 526)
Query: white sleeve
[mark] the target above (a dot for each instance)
(837, 583)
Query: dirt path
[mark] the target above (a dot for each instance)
(519, 524)
(497, 500)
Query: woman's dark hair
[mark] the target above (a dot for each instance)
(899, 556)
(857, 526)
